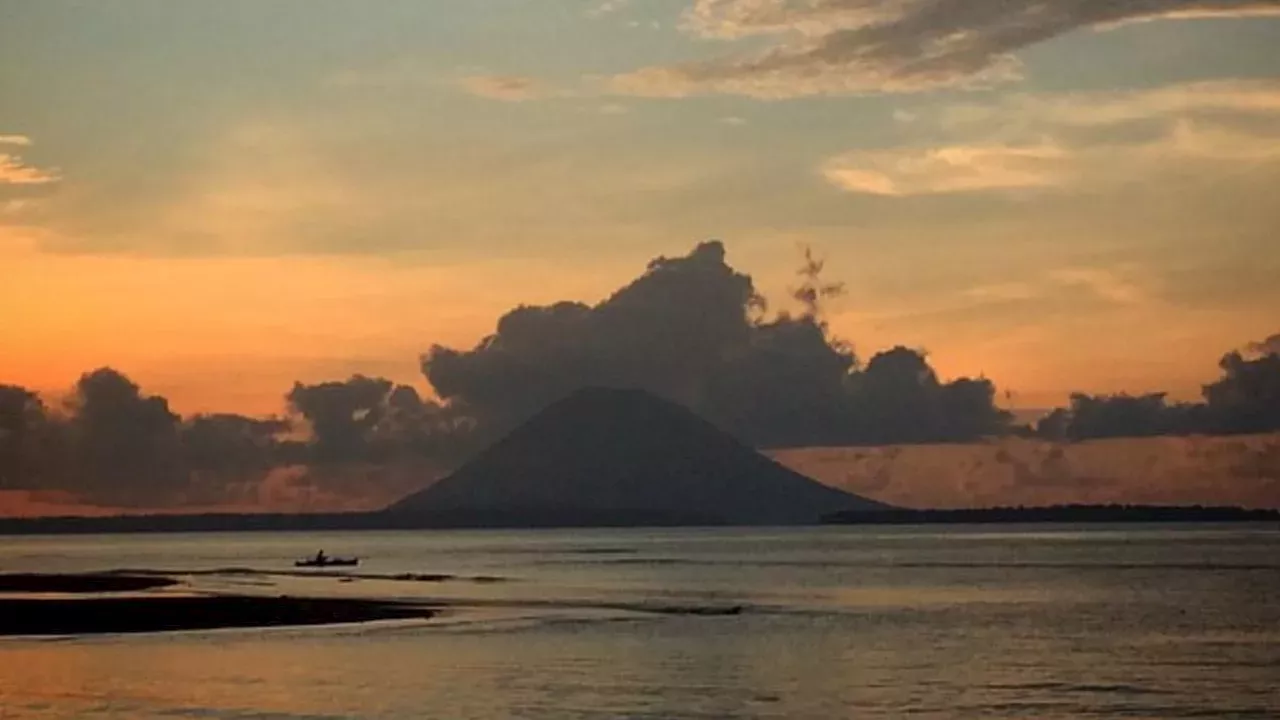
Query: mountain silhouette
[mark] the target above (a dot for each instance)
(624, 457)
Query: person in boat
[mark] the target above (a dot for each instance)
(321, 558)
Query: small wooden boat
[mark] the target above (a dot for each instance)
(324, 561)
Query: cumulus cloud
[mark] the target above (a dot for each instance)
(507, 88)
(877, 46)
(1269, 346)
(1244, 400)
(664, 331)
(692, 329)
(1052, 142)
(359, 443)
(123, 445)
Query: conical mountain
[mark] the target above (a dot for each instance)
(619, 457)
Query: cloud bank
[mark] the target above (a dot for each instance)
(835, 47)
(691, 328)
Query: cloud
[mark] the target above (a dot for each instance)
(1001, 292)
(734, 121)
(368, 420)
(663, 331)
(1014, 471)
(1115, 285)
(1073, 140)
(360, 443)
(1106, 284)
(1245, 399)
(13, 171)
(507, 88)
(1207, 100)
(878, 46)
(607, 7)
(904, 117)
(689, 328)
(16, 207)
(951, 169)
(1269, 346)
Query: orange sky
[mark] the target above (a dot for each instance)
(220, 203)
(233, 334)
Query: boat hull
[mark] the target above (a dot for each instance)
(326, 563)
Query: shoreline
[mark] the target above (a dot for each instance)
(380, 521)
(93, 604)
(81, 583)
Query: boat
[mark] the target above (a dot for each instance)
(322, 560)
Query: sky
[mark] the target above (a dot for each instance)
(220, 198)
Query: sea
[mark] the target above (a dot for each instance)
(1042, 622)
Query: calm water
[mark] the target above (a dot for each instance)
(1044, 622)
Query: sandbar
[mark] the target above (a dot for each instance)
(84, 605)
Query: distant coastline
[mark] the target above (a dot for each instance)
(1055, 514)
(639, 518)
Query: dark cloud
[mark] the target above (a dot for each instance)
(1270, 346)
(1245, 399)
(692, 329)
(114, 445)
(364, 441)
(341, 415)
(24, 437)
(1104, 416)
(225, 456)
(365, 419)
(667, 331)
(870, 46)
(125, 446)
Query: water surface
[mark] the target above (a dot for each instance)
(934, 622)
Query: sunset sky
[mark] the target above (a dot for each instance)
(219, 198)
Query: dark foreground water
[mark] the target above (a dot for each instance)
(938, 622)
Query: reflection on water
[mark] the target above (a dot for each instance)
(837, 622)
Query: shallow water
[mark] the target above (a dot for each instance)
(937, 622)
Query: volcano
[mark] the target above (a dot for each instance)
(604, 456)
